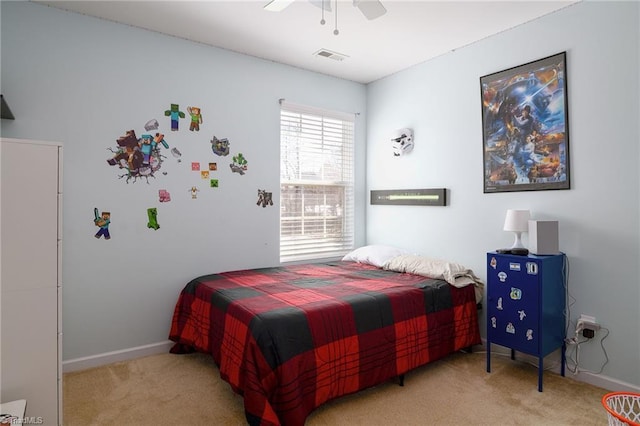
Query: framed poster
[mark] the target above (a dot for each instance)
(525, 128)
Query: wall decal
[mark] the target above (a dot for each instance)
(177, 154)
(149, 144)
(102, 221)
(204, 174)
(194, 192)
(164, 195)
(264, 198)
(152, 214)
(220, 147)
(213, 166)
(175, 115)
(213, 183)
(195, 166)
(141, 158)
(151, 125)
(196, 118)
(239, 164)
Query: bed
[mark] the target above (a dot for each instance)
(291, 338)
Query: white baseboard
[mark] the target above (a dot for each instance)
(600, 380)
(115, 356)
(606, 382)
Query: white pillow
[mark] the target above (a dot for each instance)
(376, 255)
(453, 273)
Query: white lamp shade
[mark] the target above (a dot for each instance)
(517, 220)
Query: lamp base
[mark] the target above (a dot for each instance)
(517, 242)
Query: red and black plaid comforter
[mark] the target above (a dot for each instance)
(291, 338)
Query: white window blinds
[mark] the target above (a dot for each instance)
(316, 183)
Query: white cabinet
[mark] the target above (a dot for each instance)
(31, 285)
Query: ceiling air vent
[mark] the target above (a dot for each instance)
(324, 53)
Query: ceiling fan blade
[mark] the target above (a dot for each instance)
(371, 9)
(322, 4)
(277, 5)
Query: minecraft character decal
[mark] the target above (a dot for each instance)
(213, 183)
(239, 164)
(196, 118)
(145, 147)
(128, 154)
(195, 166)
(152, 214)
(175, 115)
(164, 195)
(204, 174)
(264, 198)
(102, 221)
(194, 192)
(220, 147)
(139, 157)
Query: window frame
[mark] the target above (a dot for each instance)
(323, 167)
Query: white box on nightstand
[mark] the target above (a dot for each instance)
(543, 237)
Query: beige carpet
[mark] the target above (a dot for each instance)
(186, 389)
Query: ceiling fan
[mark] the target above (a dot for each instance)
(371, 9)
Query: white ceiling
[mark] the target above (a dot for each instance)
(409, 33)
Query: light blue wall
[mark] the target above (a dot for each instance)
(598, 217)
(85, 81)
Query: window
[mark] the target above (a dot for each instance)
(316, 183)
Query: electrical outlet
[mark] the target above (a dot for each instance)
(587, 318)
(587, 325)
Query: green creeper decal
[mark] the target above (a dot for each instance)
(152, 213)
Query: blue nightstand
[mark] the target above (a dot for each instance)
(526, 301)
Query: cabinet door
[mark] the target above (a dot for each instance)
(30, 277)
(29, 216)
(514, 297)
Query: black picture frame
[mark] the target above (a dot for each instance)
(525, 127)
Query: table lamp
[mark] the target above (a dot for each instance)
(517, 221)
